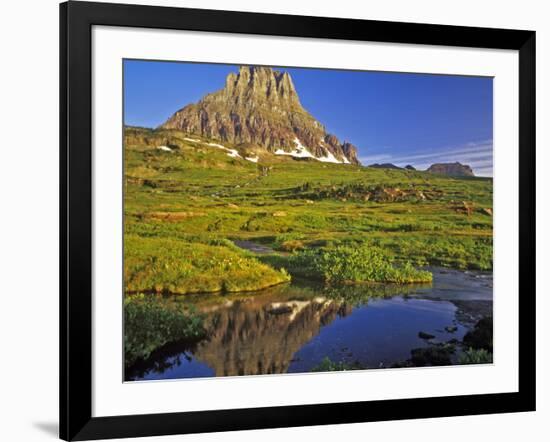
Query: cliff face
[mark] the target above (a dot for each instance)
(452, 169)
(260, 106)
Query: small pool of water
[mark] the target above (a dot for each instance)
(292, 328)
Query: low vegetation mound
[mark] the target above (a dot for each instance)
(165, 265)
(347, 264)
(150, 324)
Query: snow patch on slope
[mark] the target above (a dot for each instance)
(301, 151)
(233, 153)
(216, 145)
(329, 158)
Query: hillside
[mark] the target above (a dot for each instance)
(189, 198)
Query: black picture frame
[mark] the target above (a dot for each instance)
(76, 21)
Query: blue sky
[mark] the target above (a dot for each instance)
(416, 119)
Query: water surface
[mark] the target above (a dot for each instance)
(291, 328)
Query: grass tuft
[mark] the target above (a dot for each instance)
(150, 323)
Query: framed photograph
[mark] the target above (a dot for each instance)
(274, 220)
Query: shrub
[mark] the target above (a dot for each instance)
(289, 242)
(292, 245)
(328, 365)
(150, 322)
(476, 356)
(346, 264)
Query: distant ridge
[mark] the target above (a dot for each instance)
(384, 166)
(452, 169)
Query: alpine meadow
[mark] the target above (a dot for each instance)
(257, 241)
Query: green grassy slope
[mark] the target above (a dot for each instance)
(196, 198)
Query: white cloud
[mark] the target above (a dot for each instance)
(479, 155)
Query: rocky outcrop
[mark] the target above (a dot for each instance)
(260, 106)
(452, 169)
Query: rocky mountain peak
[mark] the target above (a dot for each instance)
(260, 106)
(260, 84)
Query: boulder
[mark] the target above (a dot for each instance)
(481, 336)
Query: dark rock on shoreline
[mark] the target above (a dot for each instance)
(432, 356)
(469, 312)
(424, 335)
(481, 337)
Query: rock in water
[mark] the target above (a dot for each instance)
(452, 169)
(260, 106)
(424, 335)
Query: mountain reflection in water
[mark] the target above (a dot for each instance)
(292, 327)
